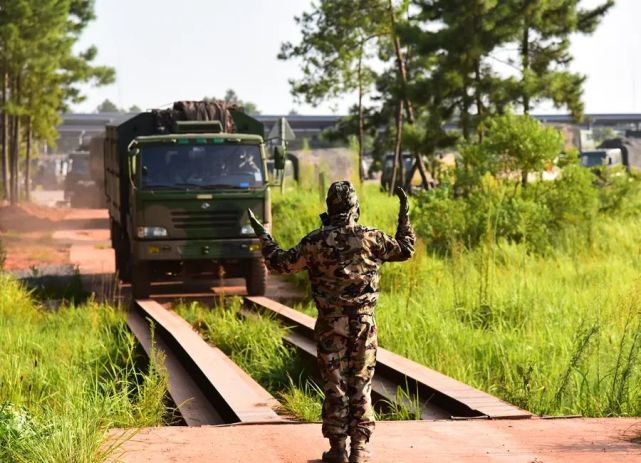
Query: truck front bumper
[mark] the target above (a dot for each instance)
(212, 250)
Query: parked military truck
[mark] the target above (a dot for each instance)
(178, 183)
(630, 148)
(79, 186)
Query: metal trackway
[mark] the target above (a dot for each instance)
(439, 395)
(207, 386)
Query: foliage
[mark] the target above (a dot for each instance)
(66, 377)
(518, 143)
(336, 44)
(108, 106)
(444, 61)
(543, 31)
(486, 197)
(535, 216)
(40, 71)
(339, 41)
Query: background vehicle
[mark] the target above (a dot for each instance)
(408, 162)
(79, 186)
(178, 183)
(601, 157)
(630, 148)
(388, 165)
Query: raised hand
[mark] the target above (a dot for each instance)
(402, 197)
(256, 225)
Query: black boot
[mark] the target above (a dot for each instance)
(360, 452)
(337, 452)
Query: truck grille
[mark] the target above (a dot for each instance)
(189, 220)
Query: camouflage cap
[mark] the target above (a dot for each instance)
(342, 200)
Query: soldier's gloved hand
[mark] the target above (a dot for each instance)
(405, 208)
(256, 225)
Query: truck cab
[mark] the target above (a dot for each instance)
(601, 157)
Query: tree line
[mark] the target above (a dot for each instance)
(40, 73)
(417, 64)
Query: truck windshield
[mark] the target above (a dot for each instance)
(592, 159)
(201, 166)
(80, 165)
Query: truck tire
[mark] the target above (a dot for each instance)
(123, 254)
(140, 281)
(256, 278)
(123, 265)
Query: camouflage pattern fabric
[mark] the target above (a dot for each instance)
(346, 359)
(198, 111)
(343, 259)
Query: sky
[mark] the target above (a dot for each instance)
(168, 50)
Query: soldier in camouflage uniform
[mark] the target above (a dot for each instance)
(343, 259)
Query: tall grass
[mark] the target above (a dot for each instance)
(556, 333)
(66, 376)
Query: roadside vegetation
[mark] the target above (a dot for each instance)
(66, 377)
(529, 291)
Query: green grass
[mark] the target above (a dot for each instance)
(66, 377)
(256, 345)
(556, 333)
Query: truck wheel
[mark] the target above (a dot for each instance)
(140, 281)
(123, 266)
(256, 278)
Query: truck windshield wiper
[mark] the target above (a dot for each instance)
(159, 187)
(225, 185)
(190, 185)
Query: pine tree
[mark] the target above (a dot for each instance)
(339, 40)
(40, 71)
(543, 34)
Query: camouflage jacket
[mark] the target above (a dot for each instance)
(343, 260)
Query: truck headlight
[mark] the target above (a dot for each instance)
(248, 230)
(152, 232)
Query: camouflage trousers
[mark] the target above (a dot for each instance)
(346, 358)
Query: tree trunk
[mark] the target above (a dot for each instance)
(400, 63)
(361, 117)
(409, 111)
(15, 155)
(465, 119)
(479, 99)
(524, 175)
(397, 147)
(525, 64)
(27, 166)
(15, 145)
(5, 138)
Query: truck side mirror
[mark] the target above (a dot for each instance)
(280, 153)
(133, 154)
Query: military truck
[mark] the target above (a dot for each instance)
(630, 148)
(178, 183)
